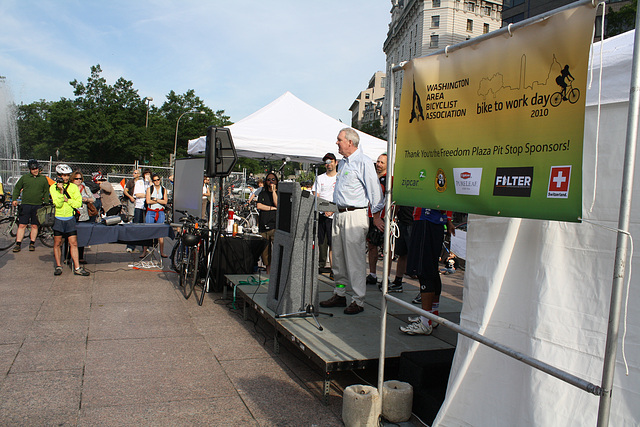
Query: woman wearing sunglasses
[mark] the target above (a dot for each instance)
(156, 202)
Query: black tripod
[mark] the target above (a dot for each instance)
(309, 310)
(214, 246)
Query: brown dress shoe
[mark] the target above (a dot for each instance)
(353, 309)
(334, 301)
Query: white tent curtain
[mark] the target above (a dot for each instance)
(543, 288)
(289, 127)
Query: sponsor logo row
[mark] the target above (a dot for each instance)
(508, 181)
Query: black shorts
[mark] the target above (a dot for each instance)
(65, 228)
(28, 214)
(425, 247)
(404, 237)
(324, 229)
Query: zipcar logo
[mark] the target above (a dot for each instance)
(465, 175)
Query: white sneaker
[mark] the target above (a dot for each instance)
(414, 319)
(417, 328)
(129, 250)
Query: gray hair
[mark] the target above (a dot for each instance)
(351, 135)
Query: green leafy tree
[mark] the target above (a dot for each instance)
(191, 126)
(34, 130)
(106, 123)
(621, 21)
(373, 128)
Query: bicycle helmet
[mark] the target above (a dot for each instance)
(33, 164)
(63, 169)
(190, 239)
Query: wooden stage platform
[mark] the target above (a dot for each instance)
(346, 342)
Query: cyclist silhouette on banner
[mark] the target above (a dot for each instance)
(564, 74)
(568, 92)
(416, 103)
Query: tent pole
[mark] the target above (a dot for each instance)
(615, 306)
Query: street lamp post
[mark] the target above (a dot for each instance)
(175, 144)
(148, 100)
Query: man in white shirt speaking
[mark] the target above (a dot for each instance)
(357, 187)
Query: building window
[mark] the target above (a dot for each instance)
(366, 96)
(485, 29)
(511, 3)
(471, 7)
(598, 32)
(435, 21)
(487, 10)
(434, 41)
(469, 25)
(435, 3)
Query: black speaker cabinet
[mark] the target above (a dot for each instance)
(220, 153)
(293, 281)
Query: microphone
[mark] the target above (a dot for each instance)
(284, 162)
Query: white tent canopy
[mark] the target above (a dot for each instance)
(543, 288)
(289, 127)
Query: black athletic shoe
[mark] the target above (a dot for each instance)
(80, 272)
(371, 280)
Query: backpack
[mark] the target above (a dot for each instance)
(94, 187)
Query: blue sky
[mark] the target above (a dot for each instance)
(236, 55)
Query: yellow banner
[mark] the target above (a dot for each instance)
(496, 128)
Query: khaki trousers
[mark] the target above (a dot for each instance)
(349, 235)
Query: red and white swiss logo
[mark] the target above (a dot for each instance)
(559, 179)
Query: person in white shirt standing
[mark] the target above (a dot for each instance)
(140, 194)
(323, 187)
(357, 187)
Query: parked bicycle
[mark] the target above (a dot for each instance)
(9, 229)
(189, 256)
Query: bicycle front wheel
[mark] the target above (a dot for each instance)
(574, 95)
(191, 272)
(8, 230)
(46, 236)
(201, 282)
(176, 257)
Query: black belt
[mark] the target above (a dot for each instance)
(349, 209)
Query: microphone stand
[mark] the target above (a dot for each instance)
(281, 171)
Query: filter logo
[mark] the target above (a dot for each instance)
(467, 180)
(559, 179)
(513, 182)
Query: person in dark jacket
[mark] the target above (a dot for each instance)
(35, 192)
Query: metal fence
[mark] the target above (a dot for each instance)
(12, 169)
(235, 187)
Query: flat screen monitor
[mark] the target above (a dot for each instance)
(187, 186)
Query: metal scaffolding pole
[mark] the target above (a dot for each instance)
(615, 306)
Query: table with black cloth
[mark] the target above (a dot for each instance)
(237, 255)
(91, 233)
